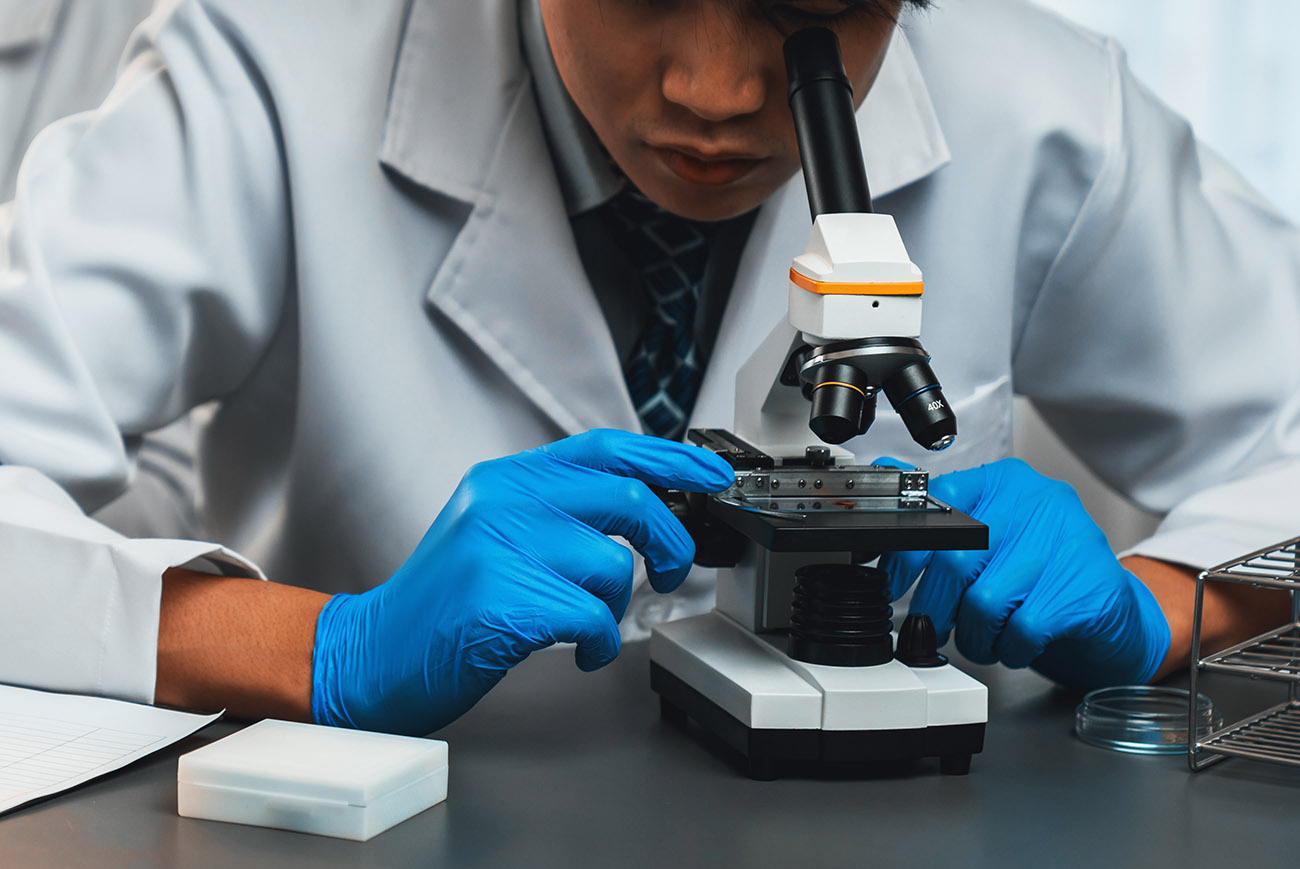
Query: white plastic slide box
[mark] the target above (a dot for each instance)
(350, 784)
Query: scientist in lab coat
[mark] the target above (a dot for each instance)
(380, 240)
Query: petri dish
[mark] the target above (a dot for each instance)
(1142, 719)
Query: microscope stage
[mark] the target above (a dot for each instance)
(775, 710)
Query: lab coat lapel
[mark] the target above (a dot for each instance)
(512, 281)
(901, 144)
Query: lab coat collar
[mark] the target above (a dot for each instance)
(587, 177)
(27, 24)
(512, 281)
(456, 80)
(902, 141)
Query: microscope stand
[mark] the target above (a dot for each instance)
(781, 713)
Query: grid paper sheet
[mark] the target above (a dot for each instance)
(51, 742)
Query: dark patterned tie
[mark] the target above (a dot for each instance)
(671, 254)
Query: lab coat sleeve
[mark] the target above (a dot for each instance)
(78, 601)
(143, 265)
(1164, 344)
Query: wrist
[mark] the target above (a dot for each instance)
(1230, 612)
(241, 644)
(1155, 631)
(332, 632)
(1173, 588)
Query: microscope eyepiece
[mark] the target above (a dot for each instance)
(821, 100)
(843, 403)
(915, 393)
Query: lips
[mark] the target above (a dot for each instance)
(713, 169)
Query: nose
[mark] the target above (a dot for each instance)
(716, 71)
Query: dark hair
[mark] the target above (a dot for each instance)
(888, 9)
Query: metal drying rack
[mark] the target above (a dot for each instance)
(1274, 734)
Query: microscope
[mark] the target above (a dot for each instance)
(798, 666)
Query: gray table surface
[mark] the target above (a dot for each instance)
(561, 768)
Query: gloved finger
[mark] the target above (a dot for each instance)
(1066, 599)
(939, 592)
(627, 508)
(574, 616)
(1026, 635)
(962, 490)
(590, 560)
(993, 599)
(903, 569)
(643, 457)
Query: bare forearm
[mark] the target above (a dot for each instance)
(241, 644)
(1231, 612)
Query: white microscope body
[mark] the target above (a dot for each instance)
(730, 669)
(798, 663)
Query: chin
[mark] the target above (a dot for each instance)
(708, 204)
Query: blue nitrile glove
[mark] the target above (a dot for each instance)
(1047, 593)
(517, 560)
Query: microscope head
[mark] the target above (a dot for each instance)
(855, 296)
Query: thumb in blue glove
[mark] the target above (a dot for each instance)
(1047, 593)
(519, 559)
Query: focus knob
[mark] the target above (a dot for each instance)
(917, 644)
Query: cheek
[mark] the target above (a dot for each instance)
(607, 61)
(608, 89)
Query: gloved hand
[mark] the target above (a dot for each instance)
(516, 561)
(1047, 593)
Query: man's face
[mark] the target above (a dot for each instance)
(689, 96)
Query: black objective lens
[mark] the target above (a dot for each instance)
(843, 406)
(915, 394)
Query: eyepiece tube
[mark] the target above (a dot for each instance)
(821, 100)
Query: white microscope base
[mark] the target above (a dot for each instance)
(777, 711)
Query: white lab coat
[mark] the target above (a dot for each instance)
(345, 226)
(56, 57)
